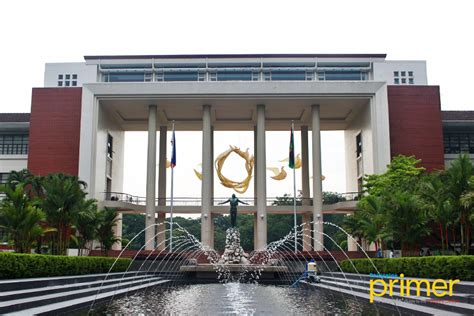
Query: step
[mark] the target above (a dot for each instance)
(441, 303)
(30, 283)
(387, 302)
(23, 293)
(83, 302)
(22, 303)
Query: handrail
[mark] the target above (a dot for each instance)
(196, 201)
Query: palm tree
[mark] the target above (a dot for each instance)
(62, 201)
(86, 224)
(459, 176)
(436, 196)
(104, 231)
(372, 220)
(407, 219)
(20, 218)
(352, 224)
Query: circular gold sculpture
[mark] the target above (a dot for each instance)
(239, 187)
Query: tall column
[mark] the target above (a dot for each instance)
(151, 178)
(206, 193)
(305, 186)
(261, 179)
(160, 240)
(255, 216)
(117, 229)
(317, 184)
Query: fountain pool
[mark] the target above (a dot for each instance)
(240, 299)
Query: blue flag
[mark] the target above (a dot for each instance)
(291, 158)
(173, 150)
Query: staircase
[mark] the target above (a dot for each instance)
(55, 295)
(355, 285)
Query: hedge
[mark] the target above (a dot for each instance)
(15, 265)
(437, 267)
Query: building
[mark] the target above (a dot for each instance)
(384, 107)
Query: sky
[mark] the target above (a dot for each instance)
(36, 32)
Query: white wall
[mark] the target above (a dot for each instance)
(106, 125)
(360, 124)
(13, 162)
(85, 73)
(383, 71)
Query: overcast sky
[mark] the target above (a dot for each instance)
(36, 32)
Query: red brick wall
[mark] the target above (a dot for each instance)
(55, 124)
(415, 124)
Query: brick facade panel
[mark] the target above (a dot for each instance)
(415, 124)
(55, 130)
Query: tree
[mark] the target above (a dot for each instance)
(459, 179)
(440, 206)
(62, 201)
(86, 223)
(402, 175)
(107, 219)
(20, 218)
(373, 220)
(406, 219)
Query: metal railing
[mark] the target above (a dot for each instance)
(251, 201)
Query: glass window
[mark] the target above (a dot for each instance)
(234, 76)
(74, 76)
(127, 77)
(68, 76)
(267, 76)
(202, 76)
(181, 76)
(67, 83)
(110, 143)
(60, 77)
(60, 83)
(255, 76)
(403, 74)
(395, 73)
(13, 144)
(342, 75)
(74, 83)
(410, 73)
(410, 81)
(404, 80)
(288, 75)
(396, 81)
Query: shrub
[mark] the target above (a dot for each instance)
(14, 265)
(438, 267)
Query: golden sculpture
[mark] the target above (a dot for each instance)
(239, 187)
(297, 161)
(279, 174)
(197, 173)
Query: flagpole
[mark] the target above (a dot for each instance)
(172, 193)
(294, 187)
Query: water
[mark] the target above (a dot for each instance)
(240, 299)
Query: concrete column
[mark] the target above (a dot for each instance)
(151, 177)
(160, 241)
(307, 217)
(254, 167)
(261, 176)
(305, 185)
(206, 193)
(317, 184)
(255, 238)
(117, 229)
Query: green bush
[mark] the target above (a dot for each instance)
(438, 267)
(15, 265)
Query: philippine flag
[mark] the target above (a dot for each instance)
(173, 150)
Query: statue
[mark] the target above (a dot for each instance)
(234, 202)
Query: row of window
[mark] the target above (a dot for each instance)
(67, 80)
(273, 75)
(13, 144)
(457, 143)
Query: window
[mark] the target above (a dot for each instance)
(67, 80)
(110, 144)
(358, 145)
(341, 75)
(13, 144)
(4, 178)
(234, 76)
(202, 76)
(400, 77)
(459, 142)
(255, 76)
